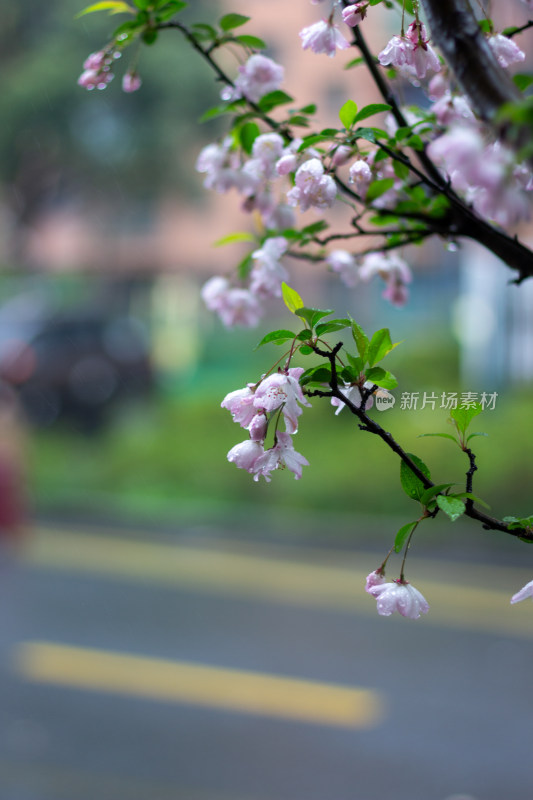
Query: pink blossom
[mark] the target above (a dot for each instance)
(131, 82)
(281, 455)
(245, 454)
(506, 50)
(354, 14)
(240, 404)
(96, 61)
(222, 168)
(323, 37)
(258, 427)
(312, 187)
(283, 389)
(411, 55)
(399, 596)
(259, 76)
(268, 273)
(344, 264)
(525, 591)
(95, 79)
(234, 306)
(451, 108)
(393, 270)
(352, 392)
(361, 176)
(340, 155)
(375, 579)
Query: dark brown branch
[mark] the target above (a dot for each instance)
(366, 423)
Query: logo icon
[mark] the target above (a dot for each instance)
(384, 400)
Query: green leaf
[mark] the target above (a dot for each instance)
(415, 142)
(313, 315)
(361, 340)
(277, 337)
(320, 374)
(473, 497)
(380, 345)
(348, 113)
(486, 25)
(370, 110)
(113, 6)
(432, 491)
(291, 298)
(305, 350)
(355, 62)
(451, 506)
(401, 170)
(273, 99)
(230, 21)
(315, 138)
(149, 36)
(522, 80)
(357, 366)
(411, 483)
(378, 188)
(442, 435)
(463, 416)
(381, 377)
(315, 227)
(304, 334)
(403, 535)
(244, 267)
(477, 433)
(251, 41)
(169, 9)
(241, 236)
(248, 133)
(331, 326)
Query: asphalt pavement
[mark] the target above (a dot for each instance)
(136, 667)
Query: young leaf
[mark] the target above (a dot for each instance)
(273, 99)
(248, 134)
(477, 433)
(381, 377)
(442, 435)
(320, 374)
(380, 345)
(464, 416)
(411, 483)
(473, 497)
(378, 188)
(277, 337)
(113, 6)
(242, 236)
(305, 350)
(451, 506)
(348, 113)
(230, 21)
(169, 9)
(313, 315)
(361, 340)
(369, 111)
(251, 41)
(402, 535)
(291, 298)
(332, 325)
(432, 491)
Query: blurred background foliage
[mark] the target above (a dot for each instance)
(161, 457)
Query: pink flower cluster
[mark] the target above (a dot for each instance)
(388, 266)
(243, 305)
(97, 70)
(411, 55)
(252, 408)
(394, 596)
(323, 37)
(259, 76)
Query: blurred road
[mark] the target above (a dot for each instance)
(137, 668)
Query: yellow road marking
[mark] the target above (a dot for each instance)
(283, 580)
(197, 684)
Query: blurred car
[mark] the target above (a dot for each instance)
(75, 365)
